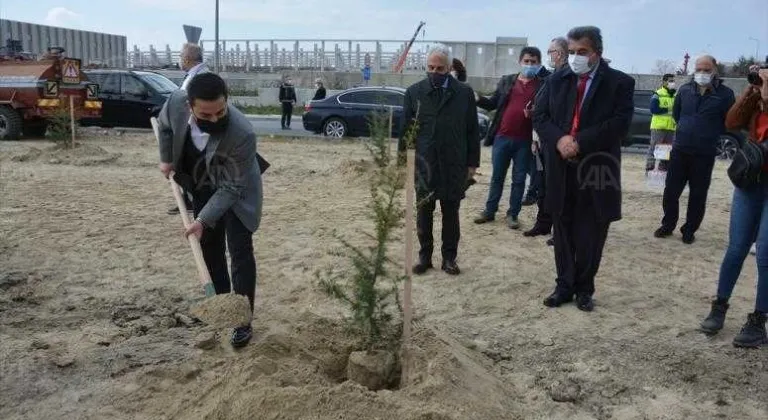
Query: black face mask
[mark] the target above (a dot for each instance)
(437, 79)
(211, 127)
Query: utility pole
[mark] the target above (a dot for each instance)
(757, 48)
(216, 62)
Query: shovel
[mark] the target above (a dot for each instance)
(202, 269)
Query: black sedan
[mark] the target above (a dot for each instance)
(640, 130)
(347, 113)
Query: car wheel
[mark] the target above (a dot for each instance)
(10, 123)
(727, 147)
(335, 127)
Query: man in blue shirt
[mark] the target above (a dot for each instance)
(699, 111)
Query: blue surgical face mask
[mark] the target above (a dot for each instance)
(530, 71)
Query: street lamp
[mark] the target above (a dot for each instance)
(216, 50)
(757, 48)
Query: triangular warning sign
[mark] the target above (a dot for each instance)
(70, 71)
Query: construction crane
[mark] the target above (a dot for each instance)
(684, 70)
(401, 61)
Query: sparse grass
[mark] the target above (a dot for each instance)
(267, 109)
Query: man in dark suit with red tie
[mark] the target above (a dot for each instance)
(581, 115)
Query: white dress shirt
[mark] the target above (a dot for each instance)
(199, 138)
(190, 74)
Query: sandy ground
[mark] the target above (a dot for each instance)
(96, 284)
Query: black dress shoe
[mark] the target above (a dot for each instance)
(536, 231)
(556, 299)
(241, 336)
(451, 268)
(585, 303)
(662, 232)
(529, 201)
(688, 238)
(551, 242)
(421, 267)
(174, 210)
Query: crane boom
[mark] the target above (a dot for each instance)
(401, 61)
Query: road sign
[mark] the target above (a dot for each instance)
(367, 73)
(70, 70)
(51, 88)
(93, 90)
(192, 33)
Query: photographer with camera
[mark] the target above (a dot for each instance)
(749, 211)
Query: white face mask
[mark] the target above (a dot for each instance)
(671, 85)
(551, 62)
(579, 63)
(702, 79)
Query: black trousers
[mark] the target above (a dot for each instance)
(579, 240)
(285, 119)
(543, 218)
(451, 229)
(696, 171)
(228, 232)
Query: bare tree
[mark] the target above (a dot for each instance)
(664, 66)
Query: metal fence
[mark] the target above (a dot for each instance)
(480, 58)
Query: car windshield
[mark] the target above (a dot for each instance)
(159, 83)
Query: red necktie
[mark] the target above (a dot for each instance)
(579, 97)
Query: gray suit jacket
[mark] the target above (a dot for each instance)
(230, 161)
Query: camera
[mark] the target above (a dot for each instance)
(753, 78)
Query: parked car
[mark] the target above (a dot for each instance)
(347, 113)
(129, 97)
(640, 129)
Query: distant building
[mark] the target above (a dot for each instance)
(92, 48)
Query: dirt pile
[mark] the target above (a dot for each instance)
(299, 372)
(223, 311)
(83, 154)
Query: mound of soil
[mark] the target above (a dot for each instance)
(355, 168)
(223, 311)
(82, 154)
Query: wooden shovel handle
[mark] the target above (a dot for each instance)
(194, 243)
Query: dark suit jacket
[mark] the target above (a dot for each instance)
(447, 138)
(604, 121)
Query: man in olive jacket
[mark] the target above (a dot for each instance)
(447, 153)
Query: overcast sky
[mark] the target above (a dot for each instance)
(636, 32)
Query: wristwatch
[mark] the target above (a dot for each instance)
(199, 220)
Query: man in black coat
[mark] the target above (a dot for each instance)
(287, 97)
(447, 153)
(582, 140)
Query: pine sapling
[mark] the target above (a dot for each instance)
(370, 288)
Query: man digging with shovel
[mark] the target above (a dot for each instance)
(209, 148)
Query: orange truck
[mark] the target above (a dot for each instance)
(33, 91)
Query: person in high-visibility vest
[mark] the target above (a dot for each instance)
(662, 123)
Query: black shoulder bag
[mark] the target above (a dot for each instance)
(747, 165)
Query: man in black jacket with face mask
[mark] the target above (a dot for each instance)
(447, 153)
